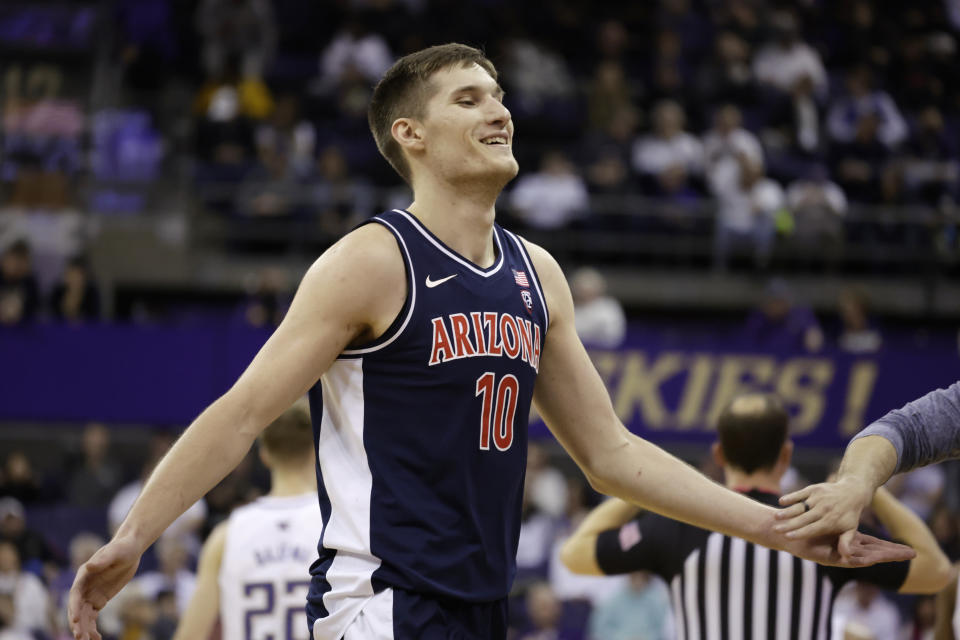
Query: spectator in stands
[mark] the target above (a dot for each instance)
(8, 618)
(920, 624)
(241, 29)
(18, 480)
(945, 524)
(548, 487)
(609, 94)
(599, 318)
(726, 77)
(862, 603)
(669, 156)
(76, 298)
(32, 549)
(173, 574)
(339, 200)
(860, 166)
(606, 157)
(639, 610)
(669, 76)
(95, 476)
(857, 335)
(747, 202)
(538, 530)
(267, 298)
(287, 134)
(818, 206)
(31, 603)
(270, 189)
(780, 325)
(552, 197)
(19, 293)
(920, 489)
(541, 81)
(931, 167)
(845, 120)
(786, 58)
(355, 50)
(82, 547)
(793, 134)
(545, 613)
(224, 138)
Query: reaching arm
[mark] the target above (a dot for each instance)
(579, 552)
(924, 431)
(946, 609)
(930, 571)
(329, 312)
(201, 614)
(570, 396)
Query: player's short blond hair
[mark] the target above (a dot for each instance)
(405, 89)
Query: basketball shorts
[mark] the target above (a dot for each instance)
(395, 614)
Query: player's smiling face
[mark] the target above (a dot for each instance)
(467, 131)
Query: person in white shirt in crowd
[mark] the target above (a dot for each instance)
(862, 603)
(31, 603)
(818, 206)
(354, 49)
(244, 28)
(669, 148)
(863, 100)
(787, 58)
(599, 318)
(553, 197)
(640, 609)
(747, 201)
(7, 613)
(172, 574)
(857, 334)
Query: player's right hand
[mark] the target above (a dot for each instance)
(98, 580)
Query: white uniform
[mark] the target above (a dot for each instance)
(264, 575)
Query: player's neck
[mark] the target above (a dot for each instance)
(463, 220)
(292, 482)
(761, 480)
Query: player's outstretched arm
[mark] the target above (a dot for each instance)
(201, 614)
(575, 405)
(354, 290)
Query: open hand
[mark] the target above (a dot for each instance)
(98, 580)
(862, 550)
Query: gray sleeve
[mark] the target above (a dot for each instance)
(924, 431)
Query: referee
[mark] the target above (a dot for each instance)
(725, 588)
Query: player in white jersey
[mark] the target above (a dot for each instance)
(254, 569)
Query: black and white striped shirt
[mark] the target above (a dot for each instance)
(726, 588)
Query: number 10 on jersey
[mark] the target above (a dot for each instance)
(499, 408)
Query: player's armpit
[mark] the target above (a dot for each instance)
(201, 614)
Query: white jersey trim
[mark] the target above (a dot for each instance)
(345, 470)
(450, 254)
(413, 299)
(533, 274)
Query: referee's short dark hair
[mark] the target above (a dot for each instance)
(289, 438)
(752, 429)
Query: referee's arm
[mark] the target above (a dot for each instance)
(579, 552)
(930, 571)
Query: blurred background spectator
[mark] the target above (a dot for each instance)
(600, 319)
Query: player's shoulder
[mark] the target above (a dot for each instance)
(369, 255)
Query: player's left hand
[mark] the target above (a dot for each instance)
(862, 550)
(98, 580)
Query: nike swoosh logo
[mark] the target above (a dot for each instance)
(433, 283)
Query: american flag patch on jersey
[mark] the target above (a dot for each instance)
(630, 535)
(521, 278)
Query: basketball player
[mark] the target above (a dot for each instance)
(255, 567)
(924, 431)
(420, 336)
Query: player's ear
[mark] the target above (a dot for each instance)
(786, 455)
(264, 457)
(408, 133)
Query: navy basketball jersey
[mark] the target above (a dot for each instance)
(421, 436)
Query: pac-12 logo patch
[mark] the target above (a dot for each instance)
(527, 300)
